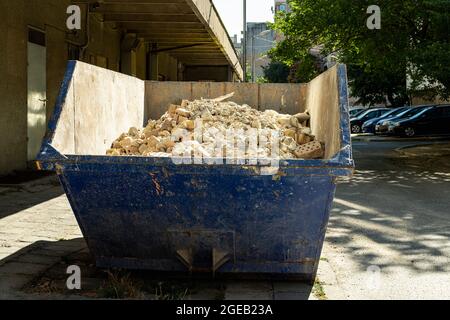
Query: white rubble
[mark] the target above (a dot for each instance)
(219, 129)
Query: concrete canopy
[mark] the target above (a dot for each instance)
(189, 30)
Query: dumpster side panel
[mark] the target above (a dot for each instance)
(64, 138)
(94, 107)
(143, 218)
(323, 105)
(284, 98)
(102, 112)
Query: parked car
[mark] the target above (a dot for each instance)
(356, 111)
(369, 126)
(434, 120)
(357, 122)
(382, 126)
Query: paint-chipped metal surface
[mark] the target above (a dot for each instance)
(149, 213)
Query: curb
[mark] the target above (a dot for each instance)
(371, 138)
(405, 148)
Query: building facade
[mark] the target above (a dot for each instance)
(182, 40)
(281, 6)
(260, 39)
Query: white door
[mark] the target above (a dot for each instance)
(37, 97)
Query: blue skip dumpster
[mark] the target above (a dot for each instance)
(152, 214)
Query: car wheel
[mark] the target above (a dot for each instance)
(410, 132)
(356, 128)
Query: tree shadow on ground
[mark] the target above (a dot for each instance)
(405, 212)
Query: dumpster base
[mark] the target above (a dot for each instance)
(275, 271)
(305, 272)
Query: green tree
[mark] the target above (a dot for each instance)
(276, 72)
(413, 43)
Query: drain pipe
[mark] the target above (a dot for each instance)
(88, 32)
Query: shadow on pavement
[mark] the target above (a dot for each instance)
(396, 216)
(40, 271)
(16, 198)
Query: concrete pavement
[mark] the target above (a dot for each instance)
(389, 234)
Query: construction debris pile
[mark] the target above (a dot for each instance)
(201, 127)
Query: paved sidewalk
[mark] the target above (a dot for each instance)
(35, 220)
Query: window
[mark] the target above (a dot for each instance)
(434, 113)
(446, 112)
(36, 37)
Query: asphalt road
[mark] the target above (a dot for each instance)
(389, 233)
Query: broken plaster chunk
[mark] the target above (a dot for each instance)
(113, 152)
(164, 134)
(303, 139)
(306, 131)
(224, 98)
(126, 143)
(256, 124)
(166, 125)
(161, 155)
(152, 141)
(183, 112)
(143, 149)
(290, 143)
(116, 145)
(284, 121)
(181, 120)
(168, 143)
(290, 133)
(302, 117)
(295, 123)
(173, 108)
(189, 124)
(133, 132)
(184, 104)
(150, 132)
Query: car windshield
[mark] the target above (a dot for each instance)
(356, 113)
(365, 114)
(390, 113)
(424, 111)
(411, 112)
(398, 111)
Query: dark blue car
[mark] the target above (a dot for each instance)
(369, 126)
(357, 122)
(382, 126)
(434, 120)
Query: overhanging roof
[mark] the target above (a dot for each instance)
(189, 30)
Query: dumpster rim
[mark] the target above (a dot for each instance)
(48, 156)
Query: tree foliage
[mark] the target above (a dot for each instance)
(276, 72)
(413, 43)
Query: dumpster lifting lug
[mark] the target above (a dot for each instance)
(186, 257)
(220, 257)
